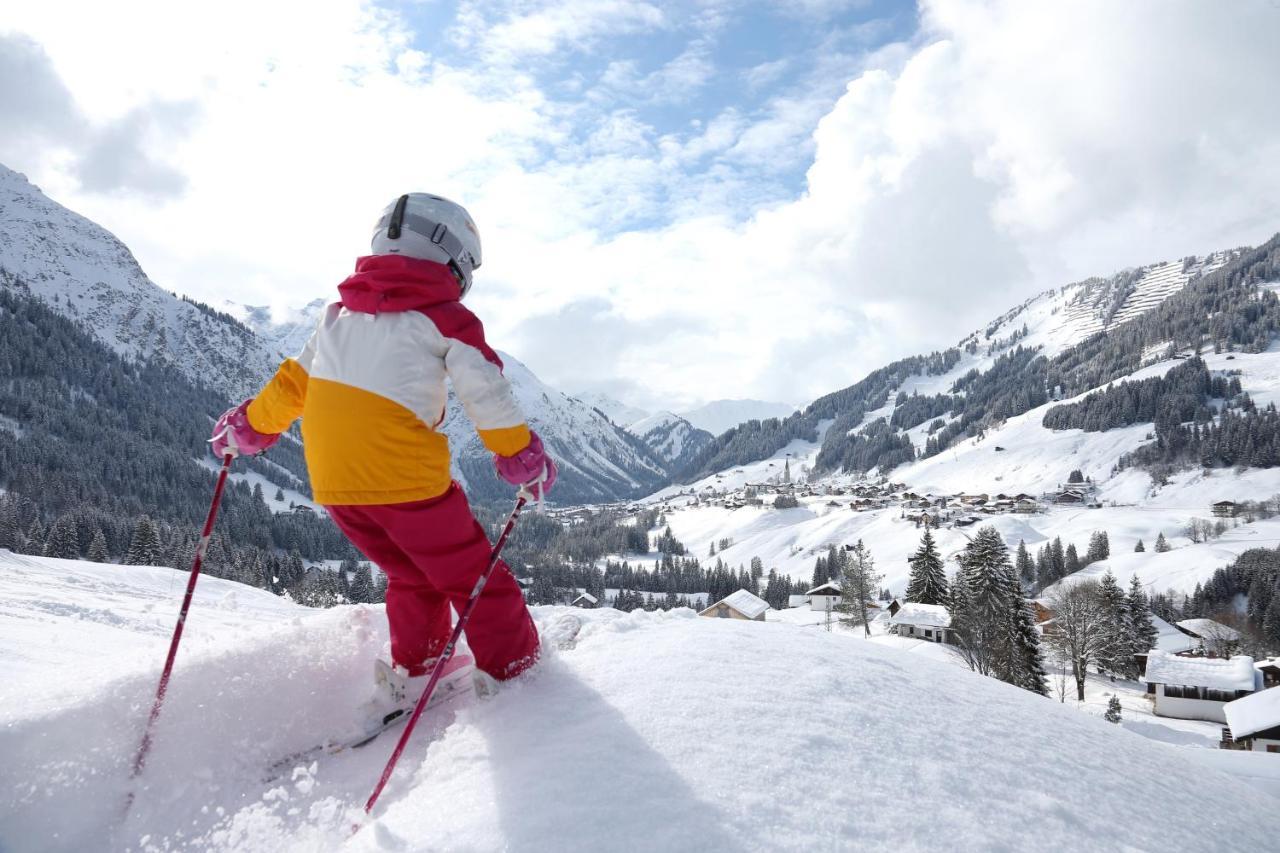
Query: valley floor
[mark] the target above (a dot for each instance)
(659, 731)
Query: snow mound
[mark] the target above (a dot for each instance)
(659, 731)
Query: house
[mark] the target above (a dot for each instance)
(1253, 722)
(893, 607)
(586, 600)
(742, 604)
(922, 621)
(1026, 505)
(824, 597)
(797, 600)
(1198, 688)
(1068, 496)
(1215, 639)
(1270, 669)
(303, 509)
(1225, 509)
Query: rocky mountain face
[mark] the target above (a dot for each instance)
(88, 275)
(671, 437)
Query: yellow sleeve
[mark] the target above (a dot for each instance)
(279, 404)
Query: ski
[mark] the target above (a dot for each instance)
(448, 690)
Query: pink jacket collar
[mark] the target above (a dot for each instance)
(392, 283)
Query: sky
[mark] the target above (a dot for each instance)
(678, 201)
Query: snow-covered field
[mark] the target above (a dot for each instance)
(660, 731)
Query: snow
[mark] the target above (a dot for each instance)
(913, 613)
(635, 739)
(1214, 673)
(720, 416)
(747, 603)
(615, 410)
(1209, 629)
(1252, 714)
(292, 497)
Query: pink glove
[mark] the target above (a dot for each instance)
(233, 434)
(530, 466)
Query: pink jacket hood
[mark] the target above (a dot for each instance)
(393, 283)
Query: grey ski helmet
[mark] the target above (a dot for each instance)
(426, 226)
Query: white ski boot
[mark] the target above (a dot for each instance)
(395, 692)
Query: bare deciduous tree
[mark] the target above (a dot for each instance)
(1081, 628)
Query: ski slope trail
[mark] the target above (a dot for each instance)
(659, 731)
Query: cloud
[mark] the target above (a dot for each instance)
(119, 158)
(1002, 148)
(37, 107)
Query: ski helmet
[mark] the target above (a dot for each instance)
(426, 226)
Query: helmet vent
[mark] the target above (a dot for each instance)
(397, 218)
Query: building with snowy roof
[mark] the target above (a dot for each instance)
(1214, 637)
(922, 621)
(586, 600)
(1198, 688)
(742, 604)
(1254, 721)
(825, 597)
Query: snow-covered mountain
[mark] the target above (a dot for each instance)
(720, 415)
(972, 420)
(597, 460)
(615, 410)
(86, 273)
(671, 437)
(932, 750)
(286, 332)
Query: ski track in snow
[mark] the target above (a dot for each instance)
(660, 731)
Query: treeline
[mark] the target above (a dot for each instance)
(1180, 395)
(1246, 437)
(1224, 310)
(1255, 574)
(877, 444)
(558, 561)
(756, 440)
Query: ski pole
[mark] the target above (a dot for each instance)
(522, 497)
(143, 748)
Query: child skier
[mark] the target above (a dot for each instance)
(370, 388)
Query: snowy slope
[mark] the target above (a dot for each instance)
(84, 272)
(615, 410)
(721, 415)
(671, 437)
(658, 732)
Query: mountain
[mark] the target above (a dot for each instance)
(84, 273)
(719, 416)
(87, 274)
(1099, 377)
(626, 736)
(1059, 344)
(615, 410)
(671, 437)
(286, 333)
(597, 460)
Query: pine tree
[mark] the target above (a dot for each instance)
(98, 547)
(1142, 631)
(64, 539)
(35, 539)
(980, 623)
(1271, 621)
(1023, 566)
(1058, 559)
(279, 495)
(1071, 563)
(362, 589)
(1139, 548)
(1162, 544)
(858, 585)
(1118, 625)
(1113, 710)
(928, 581)
(8, 524)
(1099, 547)
(1022, 661)
(144, 546)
